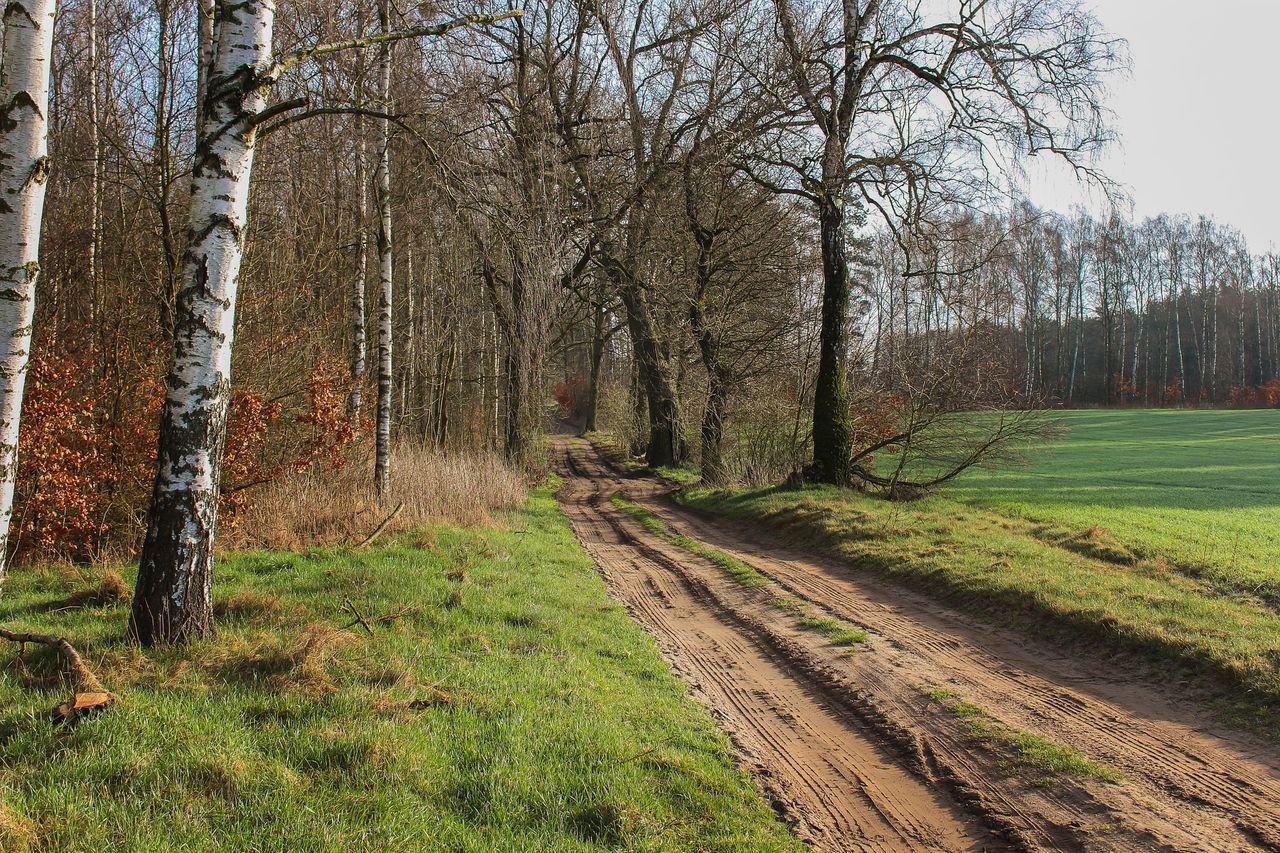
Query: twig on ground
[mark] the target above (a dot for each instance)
(377, 531)
(359, 620)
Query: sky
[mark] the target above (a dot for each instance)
(1199, 117)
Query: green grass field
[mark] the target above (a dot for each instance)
(503, 703)
(1200, 489)
(1150, 532)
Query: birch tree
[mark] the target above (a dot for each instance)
(173, 601)
(382, 449)
(25, 57)
(359, 342)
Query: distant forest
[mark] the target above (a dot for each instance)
(1075, 311)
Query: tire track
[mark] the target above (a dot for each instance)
(841, 789)
(1185, 788)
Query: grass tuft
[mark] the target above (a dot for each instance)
(110, 590)
(17, 833)
(837, 632)
(1032, 752)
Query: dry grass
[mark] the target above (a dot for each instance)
(306, 510)
(107, 590)
(247, 605)
(17, 834)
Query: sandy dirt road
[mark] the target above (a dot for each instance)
(857, 750)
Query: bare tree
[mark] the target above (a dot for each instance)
(902, 100)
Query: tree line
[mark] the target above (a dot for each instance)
(1173, 310)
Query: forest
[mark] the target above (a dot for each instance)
(409, 396)
(716, 231)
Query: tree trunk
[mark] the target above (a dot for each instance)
(598, 341)
(173, 601)
(382, 452)
(1177, 332)
(206, 37)
(832, 442)
(25, 57)
(666, 442)
(358, 340)
(95, 184)
(163, 166)
(714, 470)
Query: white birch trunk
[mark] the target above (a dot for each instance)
(359, 340)
(206, 42)
(382, 451)
(95, 186)
(173, 601)
(24, 171)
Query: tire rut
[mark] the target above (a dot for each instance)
(1185, 787)
(840, 788)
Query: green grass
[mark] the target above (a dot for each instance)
(738, 570)
(836, 632)
(1197, 489)
(1041, 756)
(1078, 546)
(681, 476)
(647, 519)
(513, 707)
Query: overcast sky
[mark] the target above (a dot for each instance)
(1200, 115)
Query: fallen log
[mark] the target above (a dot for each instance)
(88, 696)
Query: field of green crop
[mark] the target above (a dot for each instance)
(1200, 489)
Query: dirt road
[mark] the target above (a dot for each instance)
(867, 750)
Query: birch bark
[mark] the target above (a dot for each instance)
(359, 341)
(173, 601)
(25, 56)
(382, 451)
(95, 184)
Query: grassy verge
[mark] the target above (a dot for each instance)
(1043, 758)
(837, 633)
(503, 702)
(1008, 570)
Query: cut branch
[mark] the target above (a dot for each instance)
(377, 531)
(88, 695)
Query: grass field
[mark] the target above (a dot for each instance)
(1200, 489)
(1153, 532)
(503, 703)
